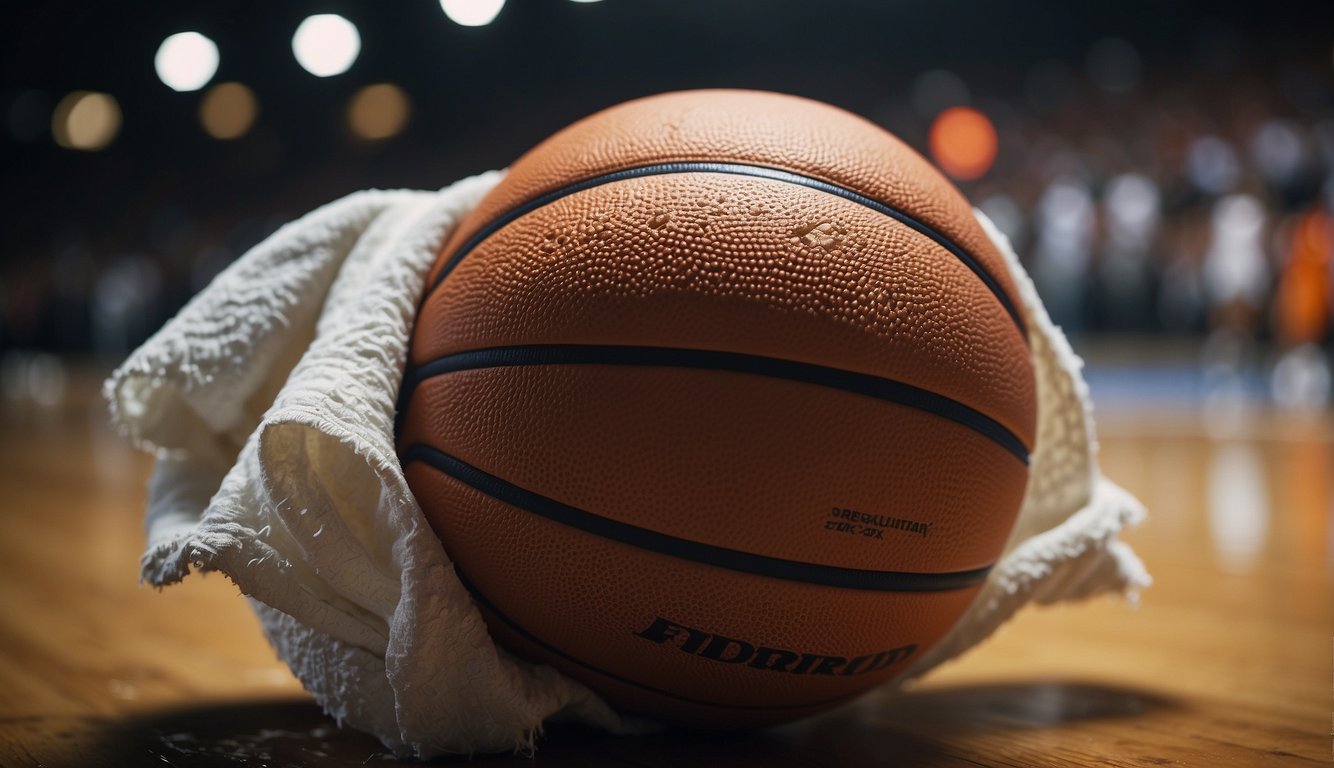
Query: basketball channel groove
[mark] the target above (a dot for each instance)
(878, 387)
(738, 169)
(709, 554)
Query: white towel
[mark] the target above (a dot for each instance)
(269, 402)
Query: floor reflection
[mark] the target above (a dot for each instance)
(1305, 492)
(1238, 505)
(267, 733)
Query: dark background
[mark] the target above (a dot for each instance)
(126, 234)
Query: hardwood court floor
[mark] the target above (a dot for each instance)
(1227, 661)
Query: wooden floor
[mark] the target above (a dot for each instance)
(1227, 661)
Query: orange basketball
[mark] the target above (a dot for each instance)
(721, 403)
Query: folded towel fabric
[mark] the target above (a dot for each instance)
(269, 403)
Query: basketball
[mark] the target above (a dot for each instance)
(721, 403)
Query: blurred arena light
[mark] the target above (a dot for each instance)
(1277, 150)
(1006, 214)
(472, 13)
(86, 120)
(1304, 300)
(326, 44)
(1065, 224)
(1212, 165)
(963, 142)
(228, 111)
(1301, 379)
(378, 111)
(186, 61)
(1066, 220)
(1235, 266)
(586, 1)
(1133, 204)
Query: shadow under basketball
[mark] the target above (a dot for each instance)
(902, 729)
(914, 729)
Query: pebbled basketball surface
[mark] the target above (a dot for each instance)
(720, 402)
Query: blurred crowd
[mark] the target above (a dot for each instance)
(1177, 208)
(1196, 204)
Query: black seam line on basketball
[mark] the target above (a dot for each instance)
(685, 549)
(514, 625)
(850, 381)
(739, 169)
